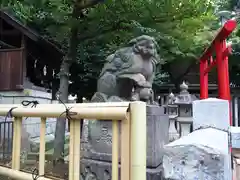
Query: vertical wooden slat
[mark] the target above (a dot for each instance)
(17, 143)
(5, 65)
(24, 56)
(125, 149)
(77, 141)
(74, 154)
(42, 146)
(14, 143)
(11, 72)
(115, 150)
(16, 69)
(9, 135)
(71, 152)
(4, 139)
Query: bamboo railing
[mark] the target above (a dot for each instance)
(132, 116)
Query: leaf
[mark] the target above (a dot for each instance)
(182, 28)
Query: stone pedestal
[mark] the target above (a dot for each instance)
(173, 134)
(96, 150)
(185, 125)
(100, 170)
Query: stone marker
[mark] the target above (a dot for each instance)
(204, 153)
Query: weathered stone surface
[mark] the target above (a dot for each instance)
(99, 141)
(100, 170)
(204, 153)
(157, 134)
(129, 72)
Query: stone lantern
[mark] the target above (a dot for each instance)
(72, 99)
(184, 101)
(172, 110)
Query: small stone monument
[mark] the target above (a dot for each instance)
(127, 76)
(184, 101)
(172, 110)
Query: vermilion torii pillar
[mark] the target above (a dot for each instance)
(219, 46)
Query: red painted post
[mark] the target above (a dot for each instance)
(203, 79)
(223, 74)
(227, 85)
(219, 45)
(214, 62)
(221, 70)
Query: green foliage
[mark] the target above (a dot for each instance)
(177, 25)
(182, 29)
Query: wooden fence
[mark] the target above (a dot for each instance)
(132, 117)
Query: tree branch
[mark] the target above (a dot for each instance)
(100, 32)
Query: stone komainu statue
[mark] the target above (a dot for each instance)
(127, 76)
(128, 73)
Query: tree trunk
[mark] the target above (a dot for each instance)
(61, 122)
(64, 84)
(71, 57)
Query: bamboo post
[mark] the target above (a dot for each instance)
(115, 150)
(19, 175)
(14, 144)
(125, 149)
(42, 146)
(16, 151)
(138, 140)
(71, 152)
(101, 113)
(74, 154)
(69, 105)
(77, 149)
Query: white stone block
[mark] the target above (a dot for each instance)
(235, 133)
(211, 112)
(197, 157)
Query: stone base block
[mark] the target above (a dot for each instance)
(98, 144)
(100, 170)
